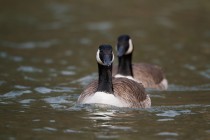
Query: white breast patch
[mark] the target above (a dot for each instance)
(104, 98)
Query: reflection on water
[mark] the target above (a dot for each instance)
(172, 113)
(28, 69)
(167, 134)
(205, 87)
(111, 121)
(47, 56)
(119, 122)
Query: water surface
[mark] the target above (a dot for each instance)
(47, 56)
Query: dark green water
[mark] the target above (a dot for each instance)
(47, 56)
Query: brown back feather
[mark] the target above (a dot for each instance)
(88, 91)
(150, 75)
(153, 72)
(129, 91)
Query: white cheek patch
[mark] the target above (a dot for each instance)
(112, 57)
(130, 49)
(98, 58)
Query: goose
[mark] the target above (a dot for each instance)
(119, 92)
(151, 76)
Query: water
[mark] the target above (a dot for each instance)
(47, 56)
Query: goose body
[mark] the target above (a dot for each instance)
(151, 76)
(120, 92)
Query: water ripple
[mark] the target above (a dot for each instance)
(102, 136)
(57, 100)
(29, 69)
(125, 128)
(168, 134)
(48, 61)
(45, 90)
(101, 26)
(85, 41)
(13, 94)
(71, 131)
(30, 44)
(5, 55)
(205, 87)
(165, 119)
(65, 72)
(173, 113)
(190, 67)
(27, 101)
(21, 87)
(205, 73)
(2, 82)
(29, 78)
(86, 79)
(50, 129)
(45, 129)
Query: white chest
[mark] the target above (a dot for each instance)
(104, 98)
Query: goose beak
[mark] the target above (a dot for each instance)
(120, 51)
(107, 60)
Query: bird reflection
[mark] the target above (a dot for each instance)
(107, 118)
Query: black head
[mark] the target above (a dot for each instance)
(104, 55)
(124, 45)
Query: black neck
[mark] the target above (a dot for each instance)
(125, 65)
(105, 79)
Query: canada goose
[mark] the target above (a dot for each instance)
(120, 92)
(151, 76)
